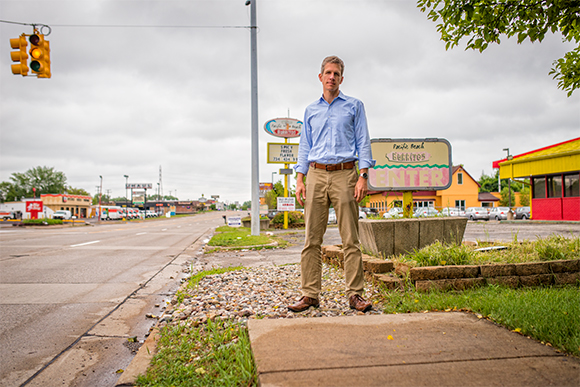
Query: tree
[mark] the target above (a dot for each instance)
(484, 21)
(525, 196)
(77, 191)
(505, 198)
(39, 180)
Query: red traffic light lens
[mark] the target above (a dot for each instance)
(34, 39)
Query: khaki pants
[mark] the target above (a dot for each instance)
(323, 189)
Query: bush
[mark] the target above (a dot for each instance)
(294, 217)
(42, 221)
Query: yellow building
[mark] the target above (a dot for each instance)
(78, 205)
(554, 173)
(463, 193)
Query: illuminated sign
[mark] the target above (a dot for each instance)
(283, 127)
(410, 164)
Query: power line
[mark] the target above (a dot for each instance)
(121, 25)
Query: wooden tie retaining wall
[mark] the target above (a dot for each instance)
(464, 276)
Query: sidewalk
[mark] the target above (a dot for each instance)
(420, 349)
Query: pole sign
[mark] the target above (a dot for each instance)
(282, 153)
(286, 204)
(234, 221)
(410, 164)
(138, 186)
(284, 127)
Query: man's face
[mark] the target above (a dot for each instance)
(330, 77)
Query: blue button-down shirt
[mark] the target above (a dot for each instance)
(334, 133)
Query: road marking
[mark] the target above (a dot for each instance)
(141, 233)
(84, 244)
(163, 229)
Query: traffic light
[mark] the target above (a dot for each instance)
(39, 55)
(21, 56)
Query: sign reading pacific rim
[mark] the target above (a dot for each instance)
(284, 127)
(410, 164)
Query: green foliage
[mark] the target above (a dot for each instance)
(484, 21)
(552, 248)
(238, 238)
(44, 179)
(294, 217)
(550, 314)
(525, 196)
(215, 354)
(505, 197)
(42, 221)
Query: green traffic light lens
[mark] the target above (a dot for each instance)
(34, 39)
(35, 65)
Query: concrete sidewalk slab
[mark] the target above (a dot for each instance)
(431, 349)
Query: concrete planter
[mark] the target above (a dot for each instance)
(401, 236)
(264, 223)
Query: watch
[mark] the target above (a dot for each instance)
(364, 175)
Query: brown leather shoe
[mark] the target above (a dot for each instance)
(303, 304)
(359, 303)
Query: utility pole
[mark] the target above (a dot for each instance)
(255, 149)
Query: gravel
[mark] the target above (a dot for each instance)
(261, 292)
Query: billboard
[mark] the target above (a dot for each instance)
(410, 164)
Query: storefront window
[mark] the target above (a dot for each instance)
(571, 185)
(539, 187)
(554, 186)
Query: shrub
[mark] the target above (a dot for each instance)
(294, 217)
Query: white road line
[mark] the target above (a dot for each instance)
(84, 244)
(141, 233)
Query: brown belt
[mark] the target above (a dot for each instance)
(333, 167)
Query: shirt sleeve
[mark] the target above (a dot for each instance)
(304, 146)
(363, 140)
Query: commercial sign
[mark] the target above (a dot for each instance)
(234, 221)
(138, 186)
(284, 127)
(286, 204)
(34, 208)
(282, 153)
(410, 164)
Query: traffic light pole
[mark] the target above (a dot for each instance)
(255, 149)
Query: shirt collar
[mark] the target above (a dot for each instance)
(340, 95)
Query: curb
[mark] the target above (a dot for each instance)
(141, 361)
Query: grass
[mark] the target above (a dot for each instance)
(552, 248)
(215, 354)
(548, 314)
(219, 354)
(240, 237)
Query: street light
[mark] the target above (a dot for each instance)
(126, 196)
(100, 197)
(273, 173)
(509, 181)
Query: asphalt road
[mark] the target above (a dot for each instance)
(71, 297)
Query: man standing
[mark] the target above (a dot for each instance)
(334, 137)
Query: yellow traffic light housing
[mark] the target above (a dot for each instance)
(20, 55)
(39, 55)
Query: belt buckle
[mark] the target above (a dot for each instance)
(326, 167)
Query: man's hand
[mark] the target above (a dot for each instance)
(360, 190)
(300, 188)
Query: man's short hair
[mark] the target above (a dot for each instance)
(332, 59)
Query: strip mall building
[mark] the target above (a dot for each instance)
(554, 173)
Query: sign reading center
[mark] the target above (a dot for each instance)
(282, 153)
(410, 164)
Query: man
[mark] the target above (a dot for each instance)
(334, 137)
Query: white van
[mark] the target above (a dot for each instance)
(62, 214)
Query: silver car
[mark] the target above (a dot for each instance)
(499, 213)
(477, 213)
(452, 211)
(395, 212)
(522, 213)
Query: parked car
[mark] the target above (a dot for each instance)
(424, 212)
(477, 213)
(331, 216)
(62, 214)
(522, 213)
(361, 214)
(272, 214)
(393, 213)
(452, 211)
(499, 213)
(370, 211)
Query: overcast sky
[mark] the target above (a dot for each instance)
(139, 85)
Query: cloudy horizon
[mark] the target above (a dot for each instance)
(139, 85)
